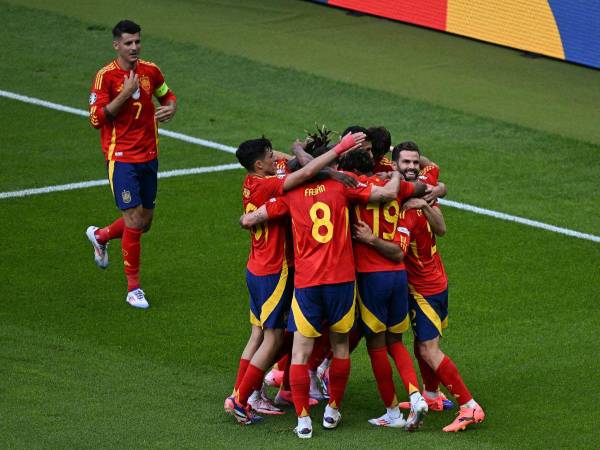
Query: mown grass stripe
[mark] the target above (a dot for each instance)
(229, 149)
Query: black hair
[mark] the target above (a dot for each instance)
(125, 26)
(381, 139)
(406, 145)
(357, 160)
(322, 149)
(251, 151)
(355, 129)
(317, 139)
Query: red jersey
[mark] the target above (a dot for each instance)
(382, 218)
(133, 136)
(321, 230)
(383, 165)
(424, 265)
(270, 241)
(430, 175)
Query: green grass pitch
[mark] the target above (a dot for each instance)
(80, 369)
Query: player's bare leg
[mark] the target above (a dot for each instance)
(300, 383)
(470, 412)
(382, 369)
(137, 222)
(339, 372)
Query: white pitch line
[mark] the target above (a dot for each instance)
(92, 183)
(83, 113)
(521, 220)
(228, 149)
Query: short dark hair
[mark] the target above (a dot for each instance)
(357, 160)
(355, 129)
(381, 139)
(251, 151)
(407, 146)
(320, 150)
(125, 26)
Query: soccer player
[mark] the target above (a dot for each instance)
(379, 248)
(121, 106)
(269, 271)
(324, 281)
(381, 142)
(428, 289)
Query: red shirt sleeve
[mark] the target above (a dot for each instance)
(430, 174)
(360, 193)
(99, 98)
(277, 207)
(161, 91)
(274, 186)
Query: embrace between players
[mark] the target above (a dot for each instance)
(343, 245)
(363, 245)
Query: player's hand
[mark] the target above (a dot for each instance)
(350, 142)
(414, 203)
(361, 232)
(344, 178)
(384, 175)
(430, 195)
(131, 84)
(298, 145)
(165, 113)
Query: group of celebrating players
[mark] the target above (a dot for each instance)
(343, 246)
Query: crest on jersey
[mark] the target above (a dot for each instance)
(126, 196)
(93, 98)
(246, 193)
(145, 84)
(136, 94)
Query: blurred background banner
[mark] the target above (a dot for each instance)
(563, 29)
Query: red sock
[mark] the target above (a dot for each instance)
(240, 374)
(300, 384)
(131, 256)
(339, 372)
(450, 377)
(405, 366)
(383, 376)
(431, 382)
(320, 349)
(282, 362)
(285, 383)
(252, 378)
(112, 231)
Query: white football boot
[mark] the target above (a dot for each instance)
(304, 428)
(137, 299)
(392, 418)
(331, 417)
(418, 410)
(100, 250)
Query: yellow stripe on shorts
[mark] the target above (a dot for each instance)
(427, 309)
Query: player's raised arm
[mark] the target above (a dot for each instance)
(388, 192)
(361, 232)
(432, 213)
(313, 167)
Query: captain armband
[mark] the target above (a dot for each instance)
(161, 90)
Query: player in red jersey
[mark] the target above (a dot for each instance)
(270, 264)
(121, 106)
(324, 281)
(381, 142)
(379, 248)
(428, 287)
